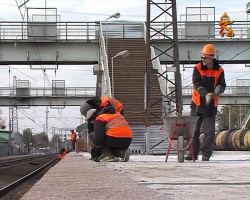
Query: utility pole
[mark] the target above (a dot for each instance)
(147, 82)
(171, 52)
(47, 121)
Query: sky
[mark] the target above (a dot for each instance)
(94, 10)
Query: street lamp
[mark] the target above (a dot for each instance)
(239, 120)
(124, 54)
(115, 16)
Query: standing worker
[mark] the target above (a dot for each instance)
(73, 139)
(112, 135)
(208, 84)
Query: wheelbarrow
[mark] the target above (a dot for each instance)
(180, 128)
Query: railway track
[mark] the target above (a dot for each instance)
(19, 172)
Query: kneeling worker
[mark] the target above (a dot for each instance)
(112, 135)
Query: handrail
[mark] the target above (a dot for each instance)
(85, 91)
(88, 31)
(230, 90)
(106, 90)
(48, 92)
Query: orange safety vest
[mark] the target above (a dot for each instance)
(73, 136)
(61, 156)
(116, 125)
(114, 102)
(196, 98)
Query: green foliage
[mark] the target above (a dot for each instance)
(42, 140)
(27, 137)
(238, 113)
(2, 122)
(36, 140)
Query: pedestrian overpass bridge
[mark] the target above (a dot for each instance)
(75, 96)
(78, 43)
(83, 43)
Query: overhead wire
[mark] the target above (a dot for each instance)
(25, 74)
(36, 50)
(85, 13)
(26, 115)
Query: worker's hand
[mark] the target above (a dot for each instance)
(209, 98)
(218, 90)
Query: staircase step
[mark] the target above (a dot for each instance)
(129, 78)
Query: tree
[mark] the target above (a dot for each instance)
(236, 114)
(27, 137)
(42, 140)
(56, 142)
(2, 122)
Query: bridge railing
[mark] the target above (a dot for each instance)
(230, 90)
(48, 92)
(49, 31)
(86, 31)
(199, 30)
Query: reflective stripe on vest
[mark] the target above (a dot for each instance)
(115, 103)
(214, 73)
(116, 125)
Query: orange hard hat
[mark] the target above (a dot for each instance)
(208, 49)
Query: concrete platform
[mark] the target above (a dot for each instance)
(225, 176)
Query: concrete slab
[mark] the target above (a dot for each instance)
(146, 177)
(225, 176)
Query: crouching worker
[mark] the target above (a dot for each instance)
(112, 135)
(62, 153)
(99, 103)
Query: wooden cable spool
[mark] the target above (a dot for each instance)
(243, 147)
(236, 139)
(218, 139)
(224, 140)
(230, 140)
(246, 139)
(215, 146)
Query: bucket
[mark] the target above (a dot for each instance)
(169, 123)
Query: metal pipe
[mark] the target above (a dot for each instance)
(147, 81)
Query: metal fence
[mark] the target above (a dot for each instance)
(49, 92)
(87, 31)
(230, 90)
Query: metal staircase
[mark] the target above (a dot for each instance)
(129, 80)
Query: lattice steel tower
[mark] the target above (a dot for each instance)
(13, 114)
(167, 32)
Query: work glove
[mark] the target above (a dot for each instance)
(218, 90)
(209, 97)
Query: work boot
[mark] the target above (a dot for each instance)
(189, 157)
(125, 154)
(109, 159)
(205, 158)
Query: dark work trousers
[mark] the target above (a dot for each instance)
(111, 151)
(208, 125)
(73, 144)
